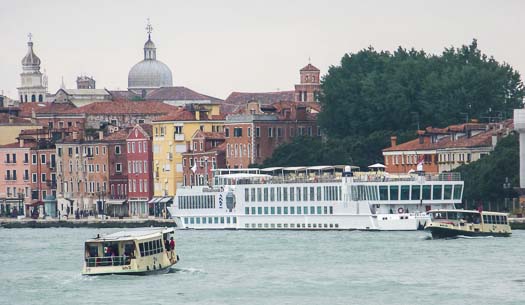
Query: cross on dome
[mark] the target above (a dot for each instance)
(29, 36)
(149, 28)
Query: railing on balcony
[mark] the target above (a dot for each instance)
(178, 137)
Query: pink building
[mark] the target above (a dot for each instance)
(140, 175)
(14, 178)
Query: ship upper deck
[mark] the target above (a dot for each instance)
(320, 174)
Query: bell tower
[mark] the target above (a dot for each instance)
(309, 87)
(33, 84)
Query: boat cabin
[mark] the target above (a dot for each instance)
(138, 251)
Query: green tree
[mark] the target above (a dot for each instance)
(372, 95)
(484, 178)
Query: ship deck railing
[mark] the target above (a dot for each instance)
(105, 261)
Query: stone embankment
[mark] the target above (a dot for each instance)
(85, 223)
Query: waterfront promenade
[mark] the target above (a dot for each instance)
(90, 222)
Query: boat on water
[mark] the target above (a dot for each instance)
(453, 223)
(135, 252)
(314, 198)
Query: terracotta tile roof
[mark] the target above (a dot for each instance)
(237, 99)
(148, 128)
(220, 147)
(5, 117)
(310, 67)
(55, 108)
(479, 140)
(26, 109)
(125, 107)
(120, 135)
(209, 135)
(17, 145)
(456, 128)
(178, 94)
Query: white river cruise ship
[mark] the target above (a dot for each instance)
(314, 198)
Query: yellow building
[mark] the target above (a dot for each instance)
(171, 138)
(10, 127)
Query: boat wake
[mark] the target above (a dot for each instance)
(473, 237)
(186, 270)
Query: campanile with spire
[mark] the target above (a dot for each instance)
(33, 84)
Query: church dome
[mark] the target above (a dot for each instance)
(30, 59)
(149, 73)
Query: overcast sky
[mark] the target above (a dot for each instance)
(216, 47)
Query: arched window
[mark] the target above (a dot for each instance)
(21, 98)
(25, 98)
(33, 98)
(40, 98)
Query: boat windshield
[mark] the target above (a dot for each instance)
(470, 217)
(109, 253)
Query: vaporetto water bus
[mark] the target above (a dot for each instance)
(453, 223)
(314, 198)
(135, 252)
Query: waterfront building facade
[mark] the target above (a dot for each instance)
(171, 135)
(255, 132)
(140, 173)
(205, 153)
(14, 178)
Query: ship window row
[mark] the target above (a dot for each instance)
(209, 220)
(293, 210)
(305, 193)
(495, 219)
(151, 247)
(363, 192)
(197, 202)
(291, 226)
(420, 192)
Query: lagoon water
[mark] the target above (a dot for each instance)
(42, 266)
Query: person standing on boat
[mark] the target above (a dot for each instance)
(172, 244)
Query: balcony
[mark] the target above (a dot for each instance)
(178, 137)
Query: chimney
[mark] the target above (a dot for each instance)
(10, 120)
(75, 135)
(393, 141)
(100, 134)
(494, 140)
(197, 115)
(21, 142)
